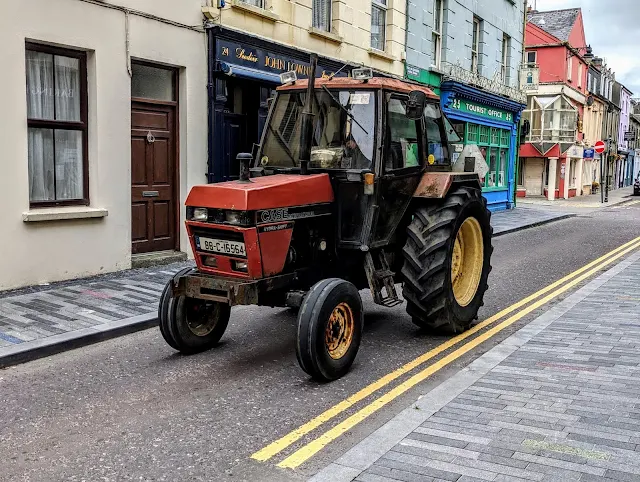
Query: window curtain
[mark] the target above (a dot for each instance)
(322, 14)
(377, 27)
(55, 155)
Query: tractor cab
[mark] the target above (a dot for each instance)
(374, 137)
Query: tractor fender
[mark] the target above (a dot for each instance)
(436, 185)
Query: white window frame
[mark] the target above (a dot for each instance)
(535, 58)
(580, 76)
(570, 68)
(319, 4)
(254, 3)
(475, 49)
(382, 6)
(504, 65)
(436, 35)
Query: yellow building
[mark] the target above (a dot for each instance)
(251, 42)
(593, 119)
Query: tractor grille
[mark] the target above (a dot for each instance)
(219, 234)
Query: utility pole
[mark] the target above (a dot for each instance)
(602, 181)
(606, 170)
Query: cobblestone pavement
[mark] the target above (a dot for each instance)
(39, 312)
(559, 400)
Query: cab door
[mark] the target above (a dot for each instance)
(399, 170)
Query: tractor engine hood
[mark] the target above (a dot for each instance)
(265, 192)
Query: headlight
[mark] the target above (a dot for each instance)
(234, 217)
(200, 214)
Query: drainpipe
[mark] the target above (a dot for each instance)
(210, 101)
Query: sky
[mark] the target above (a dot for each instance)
(612, 27)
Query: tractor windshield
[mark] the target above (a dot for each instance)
(343, 130)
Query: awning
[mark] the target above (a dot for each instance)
(234, 70)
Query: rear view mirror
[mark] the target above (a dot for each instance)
(416, 104)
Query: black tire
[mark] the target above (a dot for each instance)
(428, 253)
(182, 323)
(315, 356)
(163, 309)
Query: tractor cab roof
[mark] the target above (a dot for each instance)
(373, 83)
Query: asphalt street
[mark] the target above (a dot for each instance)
(133, 409)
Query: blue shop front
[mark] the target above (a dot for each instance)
(490, 122)
(243, 73)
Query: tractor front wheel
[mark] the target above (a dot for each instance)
(163, 309)
(330, 325)
(447, 261)
(193, 325)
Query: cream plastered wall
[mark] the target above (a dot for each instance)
(289, 22)
(593, 118)
(36, 252)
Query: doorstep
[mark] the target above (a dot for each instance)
(157, 258)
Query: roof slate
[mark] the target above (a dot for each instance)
(556, 22)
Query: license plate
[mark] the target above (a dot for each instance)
(233, 248)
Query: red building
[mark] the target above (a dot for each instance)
(555, 79)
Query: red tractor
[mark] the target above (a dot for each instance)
(350, 188)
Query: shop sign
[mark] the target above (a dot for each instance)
(575, 151)
(267, 61)
(469, 107)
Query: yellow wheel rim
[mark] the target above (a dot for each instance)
(467, 260)
(339, 332)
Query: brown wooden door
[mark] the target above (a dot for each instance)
(153, 177)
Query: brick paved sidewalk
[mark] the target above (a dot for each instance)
(524, 217)
(37, 321)
(558, 400)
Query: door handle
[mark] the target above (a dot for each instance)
(150, 194)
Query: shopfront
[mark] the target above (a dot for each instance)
(490, 122)
(244, 72)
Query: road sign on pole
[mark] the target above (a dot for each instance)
(600, 147)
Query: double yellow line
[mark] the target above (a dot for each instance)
(307, 451)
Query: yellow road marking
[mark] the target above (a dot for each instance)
(282, 443)
(307, 451)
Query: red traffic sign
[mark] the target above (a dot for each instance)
(600, 147)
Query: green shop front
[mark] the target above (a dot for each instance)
(490, 122)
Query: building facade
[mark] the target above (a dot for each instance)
(553, 151)
(107, 132)
(470, 54)
(624, 159)
(634, 145)
(251, 42)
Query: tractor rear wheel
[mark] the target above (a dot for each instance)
(196, 325)
(447, 261)
(330, 325)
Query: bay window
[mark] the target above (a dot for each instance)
(552, 119)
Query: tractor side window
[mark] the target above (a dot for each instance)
(434, 121)
(402, 137)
